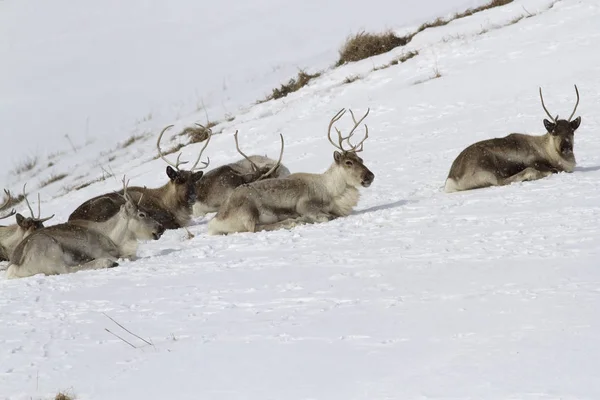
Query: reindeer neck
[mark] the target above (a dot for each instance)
(334, 180)
(115, 228)
(11, 236)
(166, 195)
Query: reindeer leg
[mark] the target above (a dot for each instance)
(313, 212)
(528, 174)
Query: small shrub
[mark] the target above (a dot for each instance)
(293, 85)
(64, 396)
(53, 178)
(436, 74)
(26, 165)
(398, 60)
(467, 13)
(364, 45)
(198, 133)
(130, 141)
(352, 78)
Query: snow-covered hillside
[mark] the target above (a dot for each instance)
(488, 294)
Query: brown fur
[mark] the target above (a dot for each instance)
(516, 157)
(170, 205)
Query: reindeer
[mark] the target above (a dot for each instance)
(517, 157)
(83, 244)
(216, 185)
(12, 235)
(171, 204)
(301, 197)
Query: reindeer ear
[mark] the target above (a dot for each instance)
(172, 174)
(549, 125)
(337, 156)
(575, 123)
(197, 175)
(20, 219)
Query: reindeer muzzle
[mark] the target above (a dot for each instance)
(159, 231)
(367, 179)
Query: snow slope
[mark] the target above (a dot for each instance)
(488, 294)
(93, 70)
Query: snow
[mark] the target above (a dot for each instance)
(419, 294)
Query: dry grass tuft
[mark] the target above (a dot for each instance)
(364, 45)
(436, 74)
(352, 78)
(53, 178)
(404, 57)
(130, 141)
(198, 133)
(64, 396)
(26, 165)
(466, 13)
(293, 85)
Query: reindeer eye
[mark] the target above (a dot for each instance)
(142, 214)
(349, 163)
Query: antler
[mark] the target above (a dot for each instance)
(254, 166)
(33, 217)
(576, 104)
(8, 199)
(353, 148)
(237, 146)
(205, 164)
(274, 167)
(545, 109)
(160, 153)
(178, 162)
(6, 203)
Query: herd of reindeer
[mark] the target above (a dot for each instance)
(255, 194)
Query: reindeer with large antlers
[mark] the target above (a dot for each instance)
(517, 157)
(85, 245)
(217, 184)
(301, 197)
(170, 204)
(12, 235)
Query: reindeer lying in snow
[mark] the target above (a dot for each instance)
(216, 185)
(12, 235)
(301, 197)
(171, 204)
(84, 245)
(516, 157)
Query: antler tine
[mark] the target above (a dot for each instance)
(204, 164)
(27, 202)
(39, 207)
(160, 153)
(355, 148)
(237, 146)
(336, 118)
(8, 199)
(274, 167)
(10, 214)
(545, 109)
(46, 219)
(356, 124)
(576, 104)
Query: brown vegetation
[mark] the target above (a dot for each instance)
(293, 85)
(53, 178)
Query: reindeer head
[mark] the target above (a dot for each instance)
(562, 131)
(33, 223)
(183, 182)
(139, 222)
(351, 165)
